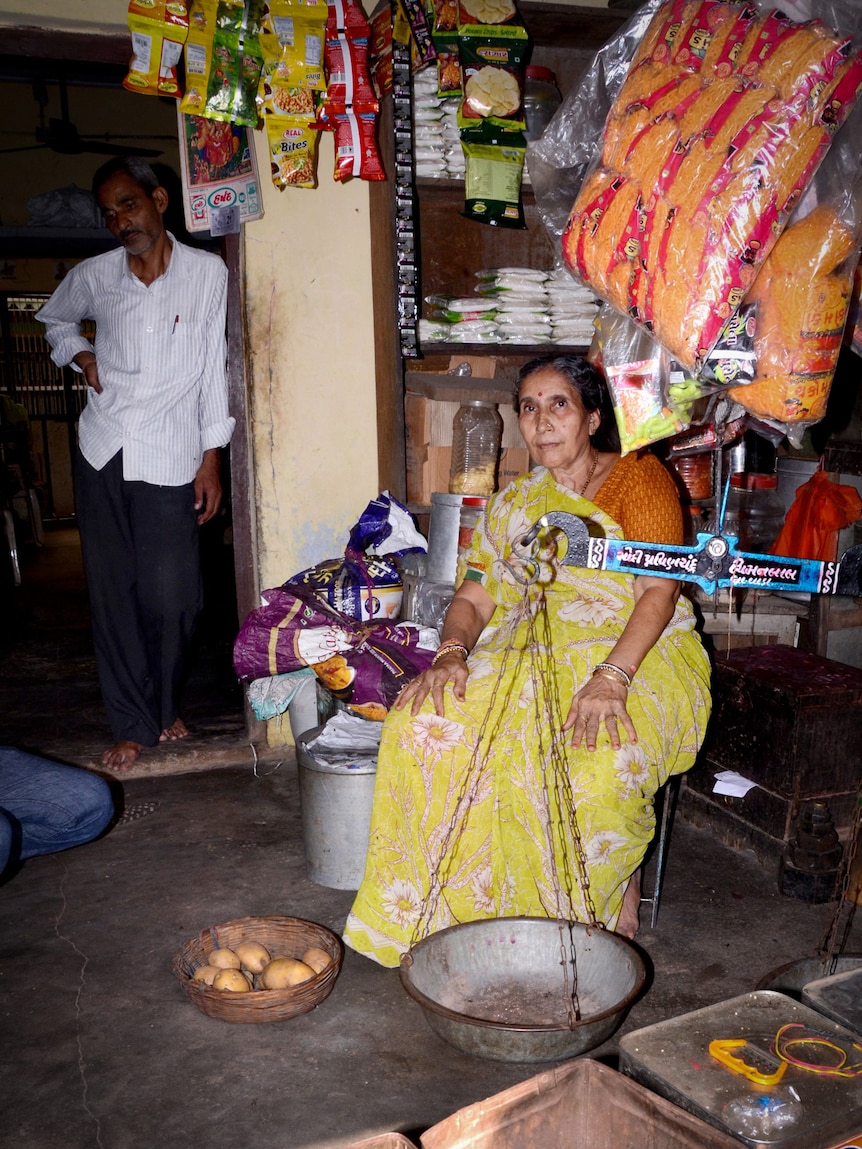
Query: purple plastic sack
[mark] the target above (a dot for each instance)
(363, 664)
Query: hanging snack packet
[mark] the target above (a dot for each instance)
(198, 55)
(348, 83)
(292, 40)
(158, 30)
(493, 63)
(236, 64)
(292, 144)
(422, 45)
(346, 16)
(492, 182)
(380, 49)
(356, 147)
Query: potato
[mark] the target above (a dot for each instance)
(252, 955)
(223, 959)
(318, 959)
(205, 974)
(232, 981)
(283, 972)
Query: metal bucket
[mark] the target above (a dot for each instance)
(444, 525)
(336, 817)
(496, 988)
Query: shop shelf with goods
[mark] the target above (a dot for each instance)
(446, 250)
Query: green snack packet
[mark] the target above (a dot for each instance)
(236, 64)
(492, 182)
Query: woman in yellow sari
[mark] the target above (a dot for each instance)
(517, 775)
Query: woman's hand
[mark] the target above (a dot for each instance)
(450, 668)
(600, 700)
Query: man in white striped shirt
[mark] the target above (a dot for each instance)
(149, 439)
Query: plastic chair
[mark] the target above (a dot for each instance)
(666, 799)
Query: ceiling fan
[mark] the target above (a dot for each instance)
(62, 136)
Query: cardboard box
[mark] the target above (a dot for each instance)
(581, 1103)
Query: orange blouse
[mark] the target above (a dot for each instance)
(641, 496)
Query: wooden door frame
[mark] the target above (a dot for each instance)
(50, 47)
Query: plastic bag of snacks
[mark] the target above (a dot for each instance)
(724, 115)
(159, 30)
(801, 299)
(291, 84)
(363, 664)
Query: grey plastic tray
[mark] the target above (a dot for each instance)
(672, 1058)
(838, 996)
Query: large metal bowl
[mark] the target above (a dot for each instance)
(497, 988)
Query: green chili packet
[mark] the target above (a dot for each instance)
(492, 180)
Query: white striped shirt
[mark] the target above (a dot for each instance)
(160, 351)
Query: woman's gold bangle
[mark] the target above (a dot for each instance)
(447, 648)
(611, 670)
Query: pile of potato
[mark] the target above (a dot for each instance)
(249, 966)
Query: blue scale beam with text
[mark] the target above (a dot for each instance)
(713, 562)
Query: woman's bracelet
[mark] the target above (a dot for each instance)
(446, 648)
(610, 670)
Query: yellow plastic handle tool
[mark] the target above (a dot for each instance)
(749, 1060)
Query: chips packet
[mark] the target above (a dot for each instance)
(356, 151)
(237, 62)
(292, 142)
(292, 44)
(493, 64)
(159, 29)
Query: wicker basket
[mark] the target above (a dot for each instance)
(283, 937)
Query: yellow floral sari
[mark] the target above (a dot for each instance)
(486, 812)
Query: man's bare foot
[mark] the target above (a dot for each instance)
(122, 756)
(628, 922)
(177, 729)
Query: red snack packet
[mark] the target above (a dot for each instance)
(346, 16)
(348, 78)
(356, 147)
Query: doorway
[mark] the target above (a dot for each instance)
(46, 79)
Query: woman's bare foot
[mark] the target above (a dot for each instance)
(628, 922)
(122, 755)
(177, 729)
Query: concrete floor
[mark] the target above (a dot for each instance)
(99, 1045)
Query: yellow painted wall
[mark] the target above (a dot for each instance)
(310, 335)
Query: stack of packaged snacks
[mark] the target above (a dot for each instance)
(514, 305)
(292, 84)
(437, 148)
(350, 106)
(725, 114)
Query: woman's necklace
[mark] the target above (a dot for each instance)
(582, 491)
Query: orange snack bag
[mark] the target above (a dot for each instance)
(802, 295)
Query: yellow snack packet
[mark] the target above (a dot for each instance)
(159, 29)
(292, 150)
(198, 54)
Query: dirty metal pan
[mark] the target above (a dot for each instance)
(499, 988)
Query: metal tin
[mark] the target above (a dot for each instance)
(672, 1058)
